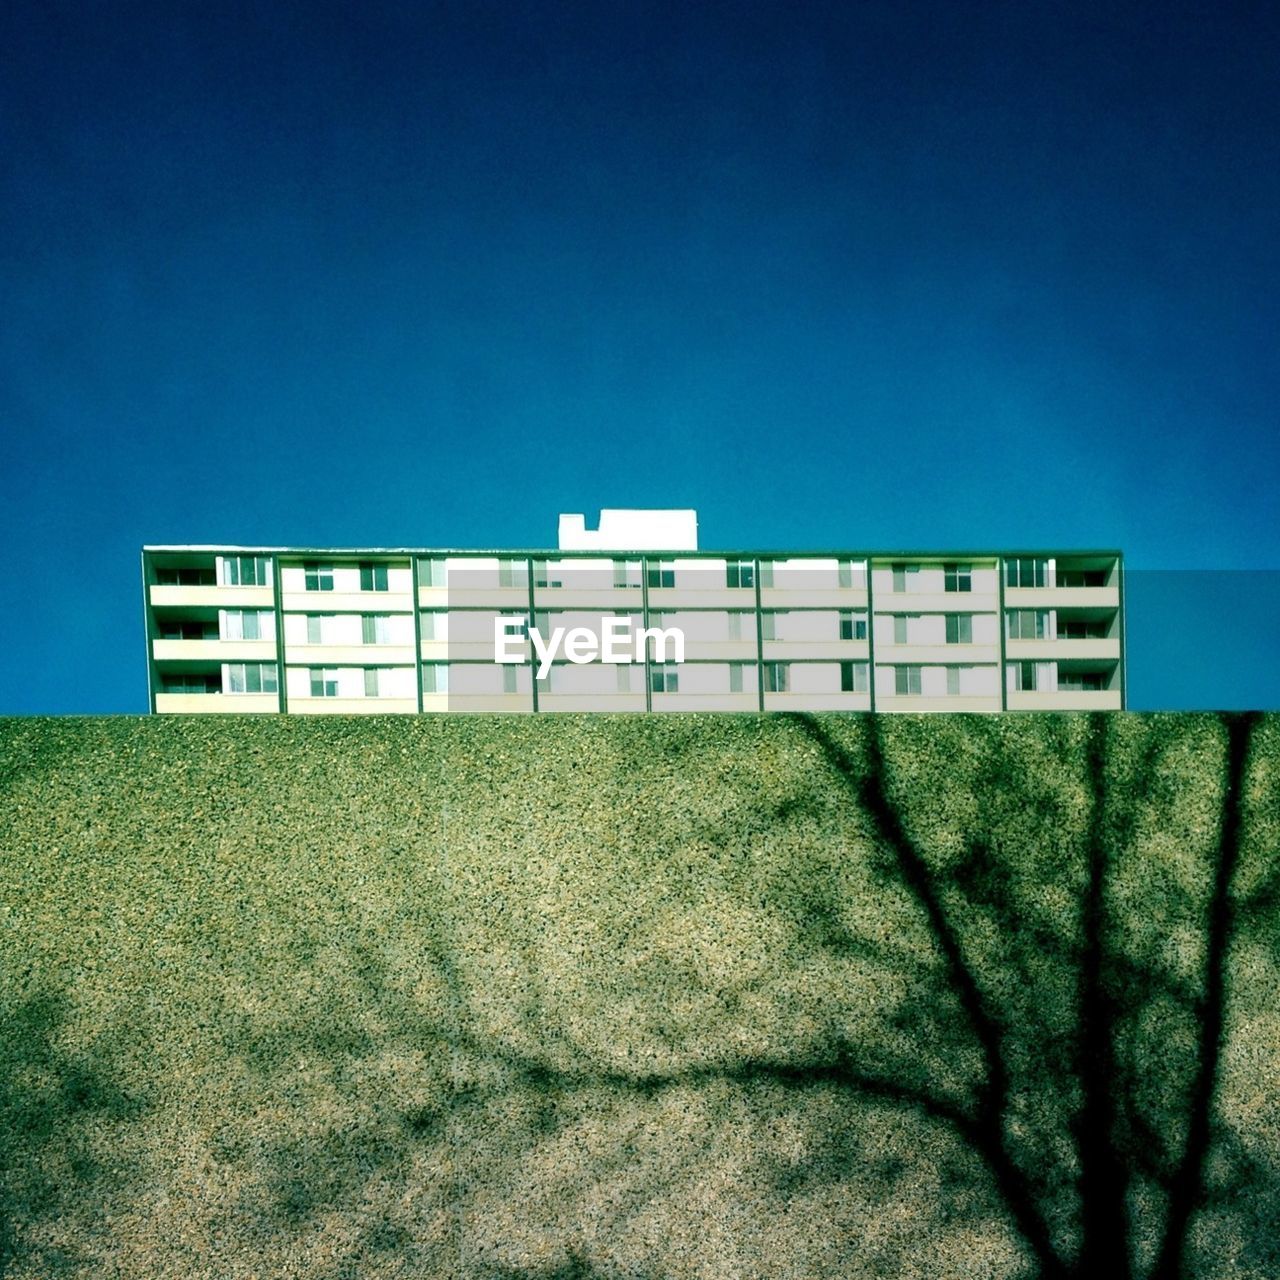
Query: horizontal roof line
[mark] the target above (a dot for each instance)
(623, 553)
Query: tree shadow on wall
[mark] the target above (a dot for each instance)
(1100, 1046)
(53, 1103)
(1049, 1062)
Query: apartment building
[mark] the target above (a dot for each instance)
(406, 630)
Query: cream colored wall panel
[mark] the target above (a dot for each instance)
(591, 702)
(215, 597)
(705, 701)
(936, 602)
(604, 600)
(938, 654)
(920, 705)
(829, 701)
(1065, 700)
(1041, 650)
(337, 655)
(489, 703)
(721, 597)
(354, 706)
(347, 602)
(834, 650)
(214, 650)
(722, 650)
(499, 599)
(1062, 597)
(217, 703)
(832, 598)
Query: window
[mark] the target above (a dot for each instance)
(435, 677)
(1028, 624)
(248, 624)
(434, 624)
(853, 677)
(735, 626)
(741, 573)
(959, 628)
(375, 629)
(324, 682)
(777, 677)
(906, 680)
(513, 573)
(741, 676)
(853, 626)
(953, 680)
(766, 573)
(509, 679)
(319, 627)
(626, 573)
(664, 679)
(662, 573)
(1029, 676)
(542, 575)
(168, 576)
(1073, 629)
(431, 573)
(1026, 573)
(318, 577)
(373, 577)
(185, 629)
(371, 682)
(853, 573)
(624, 671)
(251, 677)
(244, 571)
(899, 628)
(1082, 578)
(769, 626)
(1081, 680)
(958, 577)
(191, 682)
(906, 577)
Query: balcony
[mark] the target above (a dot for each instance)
(1062, 597)
(211, 597)
(214, 650)
(1064, 700)
(216, 703)
(1101, 649)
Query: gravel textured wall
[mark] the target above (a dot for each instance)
(695, 996)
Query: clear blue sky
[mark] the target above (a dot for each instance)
(897, 275)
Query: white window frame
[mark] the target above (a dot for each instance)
(325, 679)
(322, 573)
(908, 674)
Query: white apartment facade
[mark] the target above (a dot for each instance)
(410, 630)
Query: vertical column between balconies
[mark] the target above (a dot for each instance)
(417, 628)
(533, 622)
(1002, 623)
(871, 632)
(277, 609)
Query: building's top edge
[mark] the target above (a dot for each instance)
(630, 553)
